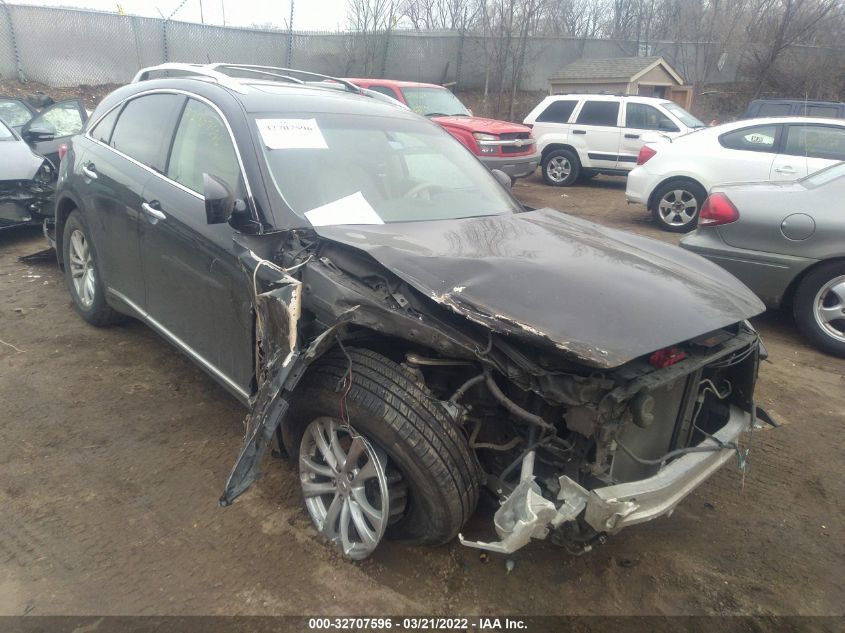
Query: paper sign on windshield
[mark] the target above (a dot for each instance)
(352, 209)
(291, 134)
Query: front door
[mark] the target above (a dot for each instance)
(641, 121)
(807, 148)
(596, 132)
(63, 120)
(195, 289)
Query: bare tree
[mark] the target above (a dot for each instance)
(776, 25)
(370, 23)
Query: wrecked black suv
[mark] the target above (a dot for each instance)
(396, 320)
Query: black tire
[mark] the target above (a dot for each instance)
(690, 191)
(561, 168)
(96, 311)
(398, 415)
(804, 308)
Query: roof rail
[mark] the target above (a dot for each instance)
(217, 72)
(285, 73)
(199, 70)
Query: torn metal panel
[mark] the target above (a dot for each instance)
(278, 302)
(559, 280)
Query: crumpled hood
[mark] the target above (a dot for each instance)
(18, 161)
(602, 295)
(480, 124)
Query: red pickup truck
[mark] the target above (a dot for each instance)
(498, 144)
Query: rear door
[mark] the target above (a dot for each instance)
(596, 133)
(748, 154)
(195, 288)
(129, 144)
(63, 119)
(640, 119)
(807, 148)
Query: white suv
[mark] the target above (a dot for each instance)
(587, 134)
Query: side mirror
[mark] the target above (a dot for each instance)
(219, 200)
(37, 134)
(502, 177)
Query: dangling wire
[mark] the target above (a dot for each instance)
(345, 383)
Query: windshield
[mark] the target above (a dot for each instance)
(344, 169)
(824, 176)
(434, 101)
(5, 133)
(685, 117)
(14, 113)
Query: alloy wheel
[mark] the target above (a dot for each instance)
(677, 207)
(82, 268)
(829, 308)
(559, 168)
(345, 487)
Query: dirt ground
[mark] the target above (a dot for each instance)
(114, 449)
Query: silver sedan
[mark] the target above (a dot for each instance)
(785, 241)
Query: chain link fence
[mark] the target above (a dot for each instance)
(69, 47)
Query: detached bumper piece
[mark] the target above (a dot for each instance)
(526, 514)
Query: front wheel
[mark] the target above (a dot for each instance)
(677, 204)
(561, 168)
(819, 308)
(378, 455)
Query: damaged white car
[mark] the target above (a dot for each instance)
(409, 333)
(30, 147)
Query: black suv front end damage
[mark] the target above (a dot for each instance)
(576, 439)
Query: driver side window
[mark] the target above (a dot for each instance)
(203, 145)
(62, 119)
(640, 116)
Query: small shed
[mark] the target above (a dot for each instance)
(644, 76)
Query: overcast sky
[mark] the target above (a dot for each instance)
(320, 15)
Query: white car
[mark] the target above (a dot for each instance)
(672, 178)
(588, 134)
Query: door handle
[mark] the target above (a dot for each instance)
(153, 214)
(90, 171)
(784, 170)
(579, 131)
(632, 136)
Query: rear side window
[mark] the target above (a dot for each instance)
(385, 91)
(599, 113)
(145, 127)
(824, 112)
(758, 138)
(816, 141)
(774, 109)
(557, 112)
(202, 146)
(102, 131)
(645, 117)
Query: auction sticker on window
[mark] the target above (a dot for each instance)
(352, 209)
(291, 134)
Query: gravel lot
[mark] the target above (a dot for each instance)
(114, 449)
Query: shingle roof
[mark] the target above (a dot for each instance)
(612, 68)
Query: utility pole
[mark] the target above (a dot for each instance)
(223, 9)
(290, 37)
(202, 19)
